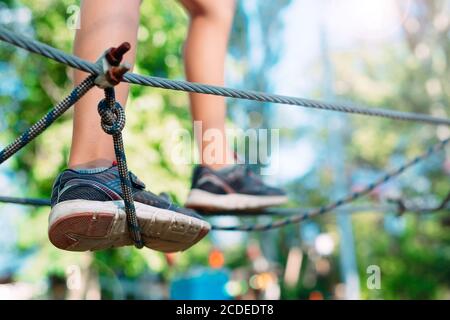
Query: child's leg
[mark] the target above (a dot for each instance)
(205, 53)
(104, 24)
(233, 188)
(85, 214)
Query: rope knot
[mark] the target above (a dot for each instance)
(112, 117)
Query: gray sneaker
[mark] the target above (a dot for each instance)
(235, 188)
(88, 214)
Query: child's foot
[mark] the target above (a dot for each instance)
(232, 188)
(88, 214)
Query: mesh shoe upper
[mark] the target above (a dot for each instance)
(105, 186)
(234, 179)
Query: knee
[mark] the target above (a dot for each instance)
(220, 11)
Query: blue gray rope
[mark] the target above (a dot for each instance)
(394, 205)
(47, 120)
(75, 62)
(113, 121)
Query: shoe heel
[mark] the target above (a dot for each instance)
(80, 231)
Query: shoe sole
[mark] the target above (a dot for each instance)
(83, 225)
(206, 201)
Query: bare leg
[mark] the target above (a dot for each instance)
(104, 24)
(205, 53)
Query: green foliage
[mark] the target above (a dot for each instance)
(414, 264)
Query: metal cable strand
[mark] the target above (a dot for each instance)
(47, 51)
(442, 206)
(178, 85)
(350, 198)
(113, 121)
(403, 207)
(26, 201)
(274, 98)
(47, 120)
(390, 206)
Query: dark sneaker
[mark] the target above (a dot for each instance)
(230, 189)
(88, 214)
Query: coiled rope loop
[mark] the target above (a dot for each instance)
(113, 121)
(112, 117)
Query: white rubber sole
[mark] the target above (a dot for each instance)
(203, 200)
(82, 225)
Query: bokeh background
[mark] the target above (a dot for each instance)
(378, 53)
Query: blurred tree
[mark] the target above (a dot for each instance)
(409, 75)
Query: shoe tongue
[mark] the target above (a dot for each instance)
(135, 181)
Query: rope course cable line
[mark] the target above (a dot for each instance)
(75, 62)
(26, 201)
(402, 206)
(113, 121)
(393, 205)
(338, 203)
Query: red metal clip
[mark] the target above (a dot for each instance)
(113, 70)
(115, 74)
(115, 55)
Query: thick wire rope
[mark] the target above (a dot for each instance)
(179, 85)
